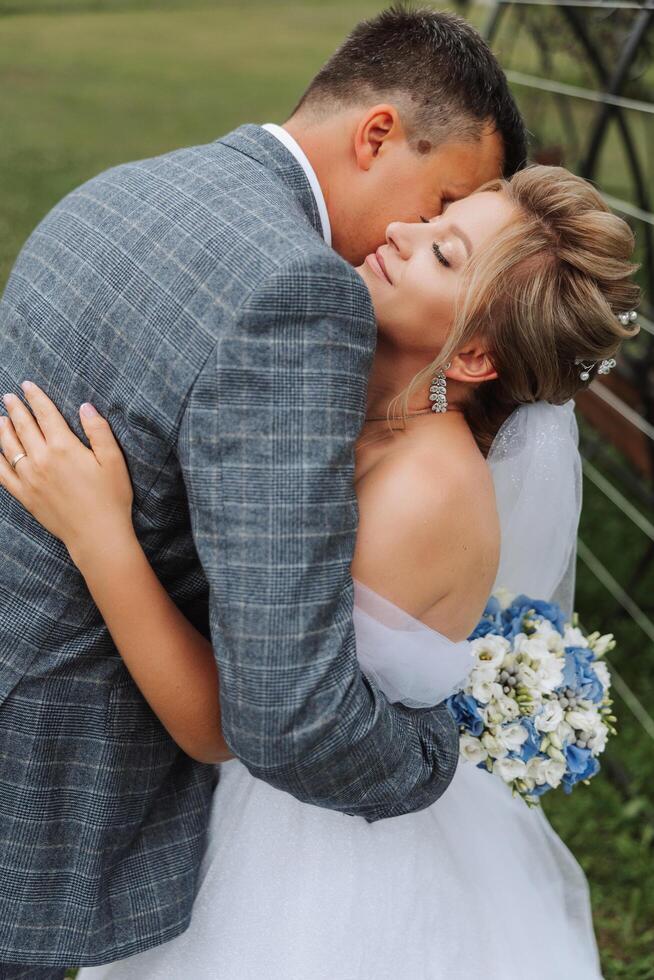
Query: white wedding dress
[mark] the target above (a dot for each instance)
(475, 887)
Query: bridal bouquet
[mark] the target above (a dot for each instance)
(535, 709)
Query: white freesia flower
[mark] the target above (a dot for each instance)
(550, 717)
(544, 673)
(573, 637)
(545, 771)
(598, 722)
(550, 636)
(583, 721)
(538, 649)
(490, 650)
(532, 686)
(597, 743)
(492, 714)
(565, 733)
(502, 708)
(509, 769)
(523, 645)
(554, 772)
(603, 674)
(603, 644)
(539, 666)
(550, 673)
(493, 745)
(533, 681)
(527, 677)
(472, 750)
(512, 736)
(504, 597)
(482, 680)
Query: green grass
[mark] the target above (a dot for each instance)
(88, 83)
(84, 91)
(610, 824)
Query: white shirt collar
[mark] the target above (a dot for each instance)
(294, 147)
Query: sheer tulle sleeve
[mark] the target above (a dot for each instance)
(407, 660)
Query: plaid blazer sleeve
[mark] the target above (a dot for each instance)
(266, 447)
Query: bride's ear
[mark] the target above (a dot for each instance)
(472, 365)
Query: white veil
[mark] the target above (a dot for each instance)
(537, 475)
(536, 470)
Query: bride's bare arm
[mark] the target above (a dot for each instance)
(84, 497)
(171, 663)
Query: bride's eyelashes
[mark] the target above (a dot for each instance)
(436, 247)
(439, 255)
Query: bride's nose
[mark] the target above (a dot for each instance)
(399, 236)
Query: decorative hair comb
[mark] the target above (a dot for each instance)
(608, 364)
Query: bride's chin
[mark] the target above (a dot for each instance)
(371, 282)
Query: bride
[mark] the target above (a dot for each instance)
(512, 298)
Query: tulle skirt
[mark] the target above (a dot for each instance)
(476, 887)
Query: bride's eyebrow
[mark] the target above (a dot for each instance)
(455, 230)
(467, 244)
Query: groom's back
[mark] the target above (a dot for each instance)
(118, 297)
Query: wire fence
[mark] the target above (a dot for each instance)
(609, 42)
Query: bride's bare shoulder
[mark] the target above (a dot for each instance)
(427, 518)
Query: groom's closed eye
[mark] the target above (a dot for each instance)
(445, 203)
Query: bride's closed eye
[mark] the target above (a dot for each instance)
(436, 248)
(439, 255)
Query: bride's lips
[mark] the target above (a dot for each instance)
(376, 263)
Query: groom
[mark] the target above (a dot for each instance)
(196, 300)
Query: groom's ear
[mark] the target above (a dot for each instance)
(472, 365)
(374, 133)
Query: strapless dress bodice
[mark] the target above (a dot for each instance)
(407, 660)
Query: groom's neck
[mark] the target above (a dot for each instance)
(326, 144)
(318, 143)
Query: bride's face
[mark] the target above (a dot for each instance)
(415, 278)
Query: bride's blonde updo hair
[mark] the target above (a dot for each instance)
(544, 295)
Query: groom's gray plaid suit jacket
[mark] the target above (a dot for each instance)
(191, 298)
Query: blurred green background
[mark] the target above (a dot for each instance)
(89, 83)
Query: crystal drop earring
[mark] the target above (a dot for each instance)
(438, 390)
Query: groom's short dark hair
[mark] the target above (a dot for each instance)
(441, 68)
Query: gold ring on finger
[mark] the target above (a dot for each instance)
(16, 460)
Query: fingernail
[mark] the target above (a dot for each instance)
(7, 398)
(27, 385)
(88, 410)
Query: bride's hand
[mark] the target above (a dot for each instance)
(82, 496)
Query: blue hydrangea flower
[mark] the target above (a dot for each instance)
(540, 790)
(464, 710)
(515, 614)
(490, 622)
(580, 676)
(531, 746)
(581, 764)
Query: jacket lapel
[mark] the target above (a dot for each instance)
(262, 146)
